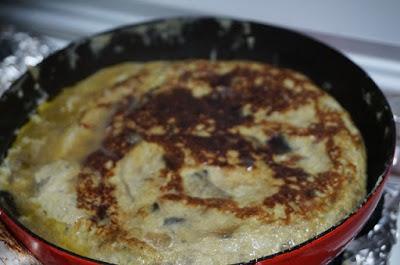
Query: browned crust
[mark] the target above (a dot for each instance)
(178, 112)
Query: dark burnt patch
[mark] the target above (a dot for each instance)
(278, 144)
(173, 221)
(155, 207)
(174, 159)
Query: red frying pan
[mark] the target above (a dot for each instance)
(220, 38)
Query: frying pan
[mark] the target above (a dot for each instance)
(212, 38)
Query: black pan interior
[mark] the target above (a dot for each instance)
(183, 38)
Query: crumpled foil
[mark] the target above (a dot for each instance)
(25, 50)
(11, 252)
(18, 51)
(374, 248)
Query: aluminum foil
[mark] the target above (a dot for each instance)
(25, 50)
(374, 248)
(18, 51)
(11, 252)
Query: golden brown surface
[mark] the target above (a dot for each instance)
(190, 162)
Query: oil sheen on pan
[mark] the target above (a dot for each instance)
(186, 162)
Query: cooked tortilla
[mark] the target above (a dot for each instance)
(186, 162)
